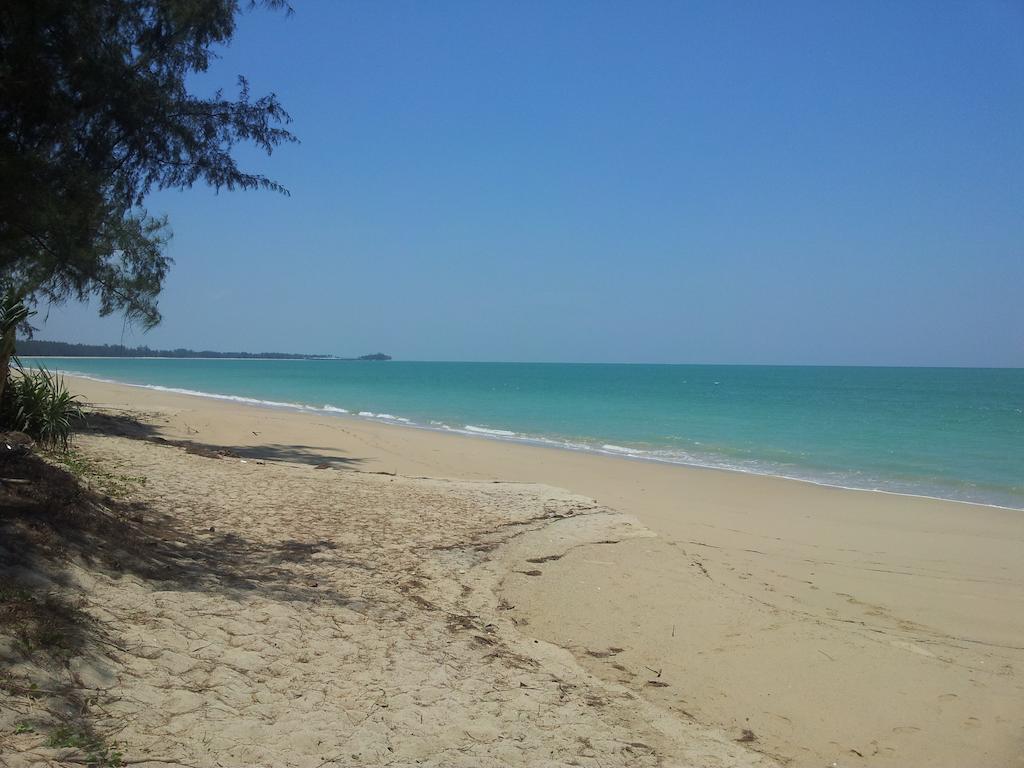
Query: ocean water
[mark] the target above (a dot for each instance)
(953, 433)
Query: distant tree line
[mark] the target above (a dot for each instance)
(36, 347)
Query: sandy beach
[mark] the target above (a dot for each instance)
(387, 595)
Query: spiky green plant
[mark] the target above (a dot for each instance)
(39, 403)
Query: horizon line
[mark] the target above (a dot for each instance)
(310, 357)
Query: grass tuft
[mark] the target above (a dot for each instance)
(42, 623)
(118, 486)
(98, 754)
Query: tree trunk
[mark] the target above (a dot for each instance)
(13, 313)
(6, 351)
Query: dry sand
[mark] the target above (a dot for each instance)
(646, 614)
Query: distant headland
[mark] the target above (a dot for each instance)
(39, 348)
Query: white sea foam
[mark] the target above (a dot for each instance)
(384, 417)
(487, 431)
(230, 398)
(214, 395)
(619, 449)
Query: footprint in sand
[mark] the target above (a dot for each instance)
(604, 654)
(948, 697)
(906, 729)
(545, 559)
(972, 722)
(912, 648)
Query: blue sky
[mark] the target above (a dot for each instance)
(834, 183)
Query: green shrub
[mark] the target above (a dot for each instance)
(38, 403)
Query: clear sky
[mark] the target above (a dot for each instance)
(792, 182)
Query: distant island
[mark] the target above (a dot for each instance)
(38, 348)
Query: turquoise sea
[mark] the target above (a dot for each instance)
(955, 433)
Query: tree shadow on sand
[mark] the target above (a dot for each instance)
(48, 516)
(126, 425)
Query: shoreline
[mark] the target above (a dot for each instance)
(827, 622)
(515, 438)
